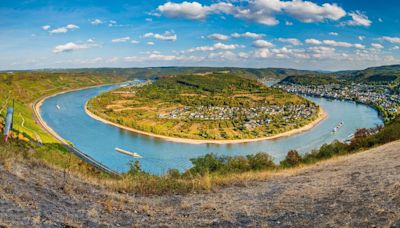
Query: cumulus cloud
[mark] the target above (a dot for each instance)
(358, 19)
(160, 57)
(377, 46)
(193, 10)
(313, 42)
(337, 43)
(96, 22)
(334, 43)
(167, 36)
(393, 40)
(46, 27)
(262, 53)
(309, 12)
(217, 36)
(216, 46)
(71, 46)
(260, 11)
(288, 23)
(334, 34)
(121, 40)
(361, 38)
(250, 35)
(262, 44)
(64, 29)
(292, 41)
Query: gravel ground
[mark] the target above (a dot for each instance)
(361, 190)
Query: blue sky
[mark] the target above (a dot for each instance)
(317, 35)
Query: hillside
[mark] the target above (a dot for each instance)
(155, 72)
(208, 106)
(360, 190)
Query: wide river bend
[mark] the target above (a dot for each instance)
(99, 140)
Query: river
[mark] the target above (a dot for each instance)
(99, 140)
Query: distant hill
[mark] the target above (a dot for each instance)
(382, 74)
(310, 79)
(155, 72)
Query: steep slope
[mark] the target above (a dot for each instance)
(361, 190)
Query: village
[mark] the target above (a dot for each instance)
(252, 116)
(376, 95)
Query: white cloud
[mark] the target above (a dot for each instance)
(393, 40)
(193, 10)
(221, 46)
(72, 27)
(71, 46)
(308, 12)
(96, 22)
(111, 23)
(46, 27)
(167, 36)
(216, 46)
(121, 40)
(288, 23)
(292, 41)
(313, 42)
(334, 34)
(64, 29)
(150, 43)
(377, 46)
(160, 57)
(217, 36)
(334, 43)
(359, 46)
(262, 44)
(260, 11)
(262, 53)
(134, 42)
(395, 48)
(250, 35)
(59, 30)
(358, 19)
(361, 38)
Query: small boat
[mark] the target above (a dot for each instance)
(335, 129)
(58, 107)
(135, 155)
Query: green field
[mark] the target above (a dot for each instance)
(216, 106)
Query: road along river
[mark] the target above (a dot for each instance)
(66, 116)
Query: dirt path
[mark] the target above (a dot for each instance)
(361, 190)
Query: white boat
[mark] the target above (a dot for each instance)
(335, 129)
(133, 154)
(58, 107)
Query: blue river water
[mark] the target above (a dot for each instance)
(99, 140)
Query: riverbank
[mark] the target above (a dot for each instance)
(36, 111)
(321, 116)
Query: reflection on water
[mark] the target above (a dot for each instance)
(99, 140)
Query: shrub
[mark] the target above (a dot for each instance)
(237, 164)
(173, 173)
(207, 164)
(260, 161)
(292, 159)
(134, 168)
